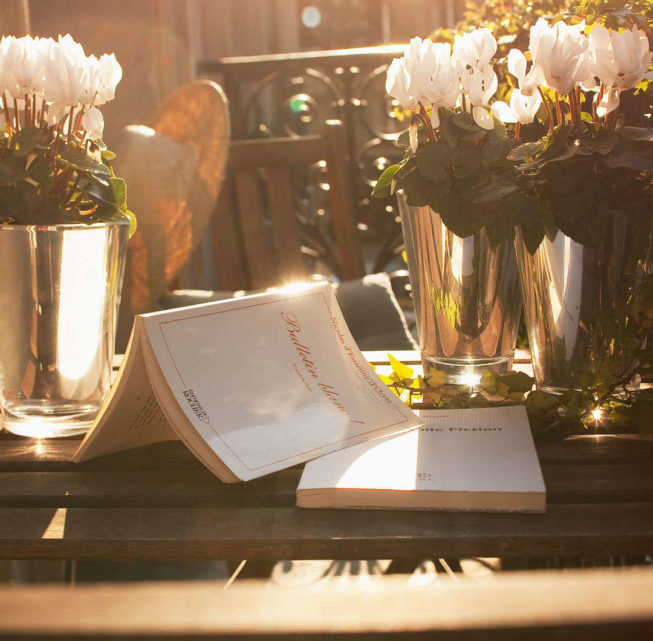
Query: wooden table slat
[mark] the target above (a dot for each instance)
(584, 606)
(199, 488)
(17, 454)
(289, 533)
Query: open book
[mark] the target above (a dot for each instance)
(251, 385)
(473, 459)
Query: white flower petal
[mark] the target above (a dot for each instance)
(501, 111)
(482, 117)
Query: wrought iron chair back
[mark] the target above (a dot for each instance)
(266, 232)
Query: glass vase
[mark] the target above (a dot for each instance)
(466, 296)
(59, 296)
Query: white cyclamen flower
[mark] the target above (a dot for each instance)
(517, 64)
(92, 81)
(93, 123)
(23, 65)
(620, 60)
(476, 48)
(479, 84)
(397, 85)
(110, 76)
(561, 54)
(65, 73)
(525, 100)
(441, 87)
(405, 77)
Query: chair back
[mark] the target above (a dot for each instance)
(264, 234)
(173, 171)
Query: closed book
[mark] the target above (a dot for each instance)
(470, 459)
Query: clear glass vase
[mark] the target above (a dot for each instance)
(59, 295)
(466, 296)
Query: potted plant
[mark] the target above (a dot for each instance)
(64, 225)
(455, 196)
(586, 214)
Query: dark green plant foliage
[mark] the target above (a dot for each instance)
(47, 178)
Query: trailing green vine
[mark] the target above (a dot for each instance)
(620, 409)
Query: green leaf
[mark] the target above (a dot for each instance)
(83, 162)
(465, 121)
(119, 190)
(515, 382)
(12, 170)
(499, 187)
(433, 160)
(539, 402)
(383, 187)
(25, 140)
(466, 161)
(107, 155)
(525, 151)
(488, 381)
(636, 133)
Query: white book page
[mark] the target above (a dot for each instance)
(130, 415)
(471, 450)
(272, 380)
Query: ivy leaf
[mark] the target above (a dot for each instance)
(488, 381)
(436, 378)
(515, 382)
(400, 369)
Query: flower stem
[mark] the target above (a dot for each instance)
(558, 109)
(599, 97)
(549, 114)
(27, 110)
(427, 123)
(517, 128)
(5, 106)
(573, 107)
(70, 120)
(17, 121)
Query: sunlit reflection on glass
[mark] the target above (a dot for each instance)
(80, 317)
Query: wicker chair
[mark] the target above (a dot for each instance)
(174, 171)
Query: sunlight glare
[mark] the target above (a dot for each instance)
(81, 317)
(377, 468)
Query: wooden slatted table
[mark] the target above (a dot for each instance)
(158, 502)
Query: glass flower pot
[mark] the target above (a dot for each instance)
(59, 296)
(466, 296)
